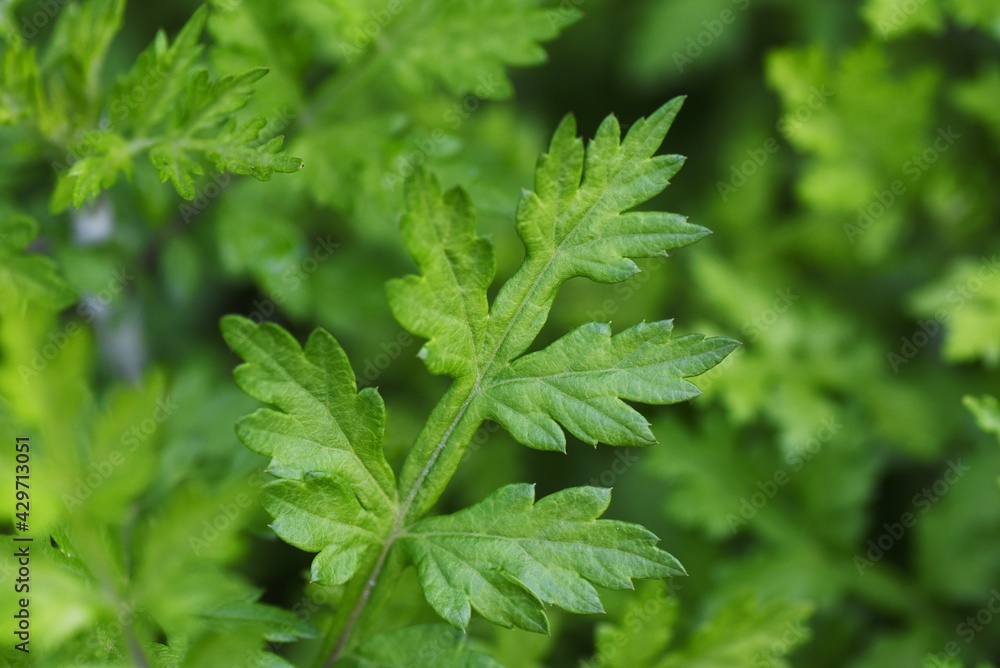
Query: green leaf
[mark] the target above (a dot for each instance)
(143, 97)
(447, 303)
(247, 149)
(577, 222)
(421, 646)
(581, 379)
(27, 278)
(741, 632)
(508, 556)
(207, 108)
(322, 424)
(131, 452)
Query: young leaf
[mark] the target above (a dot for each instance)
(24, 98)
(577, 222)
(79, 44)
(575, 217)
(508, 555)
(447, 302)
(233, 147)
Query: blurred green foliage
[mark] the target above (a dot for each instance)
(833, 501)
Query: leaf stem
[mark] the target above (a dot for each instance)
(362, 600)
(450, 420)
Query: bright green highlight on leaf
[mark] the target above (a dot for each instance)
(986, 410)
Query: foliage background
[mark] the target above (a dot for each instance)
(868, 312)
